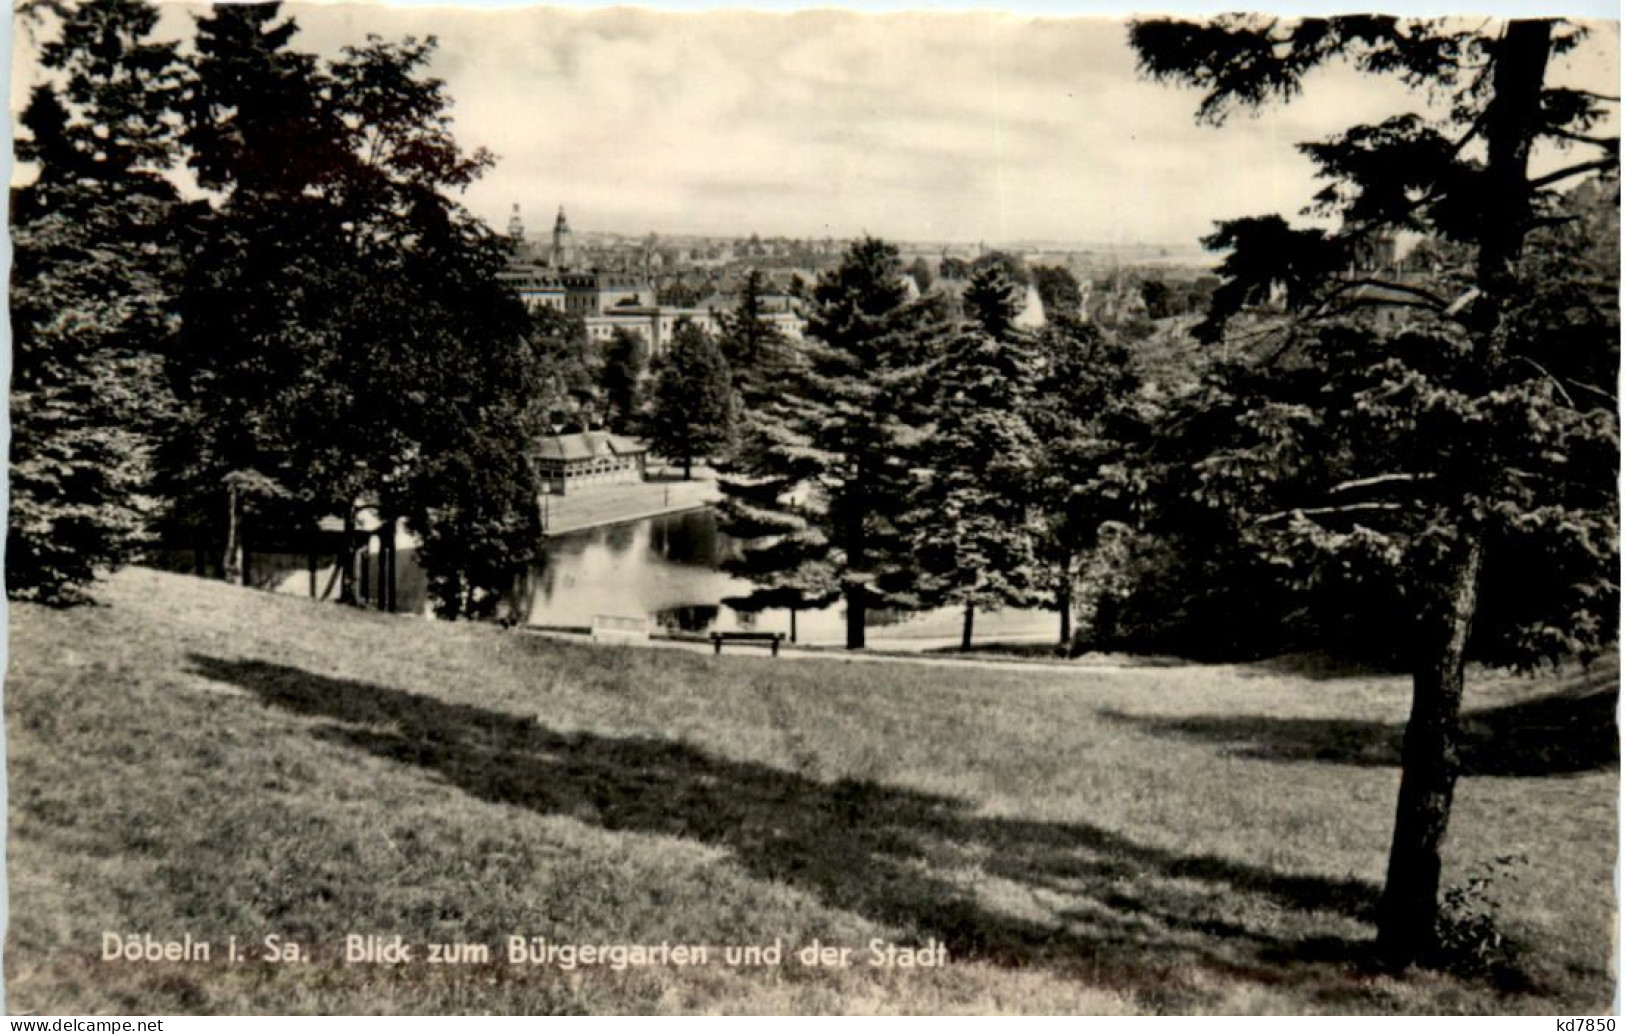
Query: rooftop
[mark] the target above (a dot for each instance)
(587, 445)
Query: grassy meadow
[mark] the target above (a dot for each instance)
(191, 759)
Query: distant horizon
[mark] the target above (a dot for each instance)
(536, 231)
(956, 128)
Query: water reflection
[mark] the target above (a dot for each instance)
(667, 569)
(698, 618)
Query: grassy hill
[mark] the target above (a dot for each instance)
(191, 759)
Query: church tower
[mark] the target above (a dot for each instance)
(516, 235)
(564, 252)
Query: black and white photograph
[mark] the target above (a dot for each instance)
(610, 511)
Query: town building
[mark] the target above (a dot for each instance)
(657, 324)
(569, 462)
(607, 300)
(558, 283)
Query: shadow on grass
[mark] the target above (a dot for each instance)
(1113, 910)
(1568, 732)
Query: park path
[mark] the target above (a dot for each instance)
(1081, 666)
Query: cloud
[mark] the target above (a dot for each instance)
(971, 126)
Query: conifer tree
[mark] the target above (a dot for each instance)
(92, 277)
(826, 468)
(973, 521)
(1442, 448)
(753, 346)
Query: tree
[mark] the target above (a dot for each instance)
(691, 411)
(1086, 413)
(920, 270)
(973, 526)
(572, 394)
(346, 342)
(1059, 290)
(1441, 447)
(823, 477)
(752, 345)
(92, 277)
(1158, 298)
(266, 276)
(1012, 265)
(621, 376)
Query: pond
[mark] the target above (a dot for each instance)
(668, 569)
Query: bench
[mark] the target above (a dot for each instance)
(768, 639)
(615, 628)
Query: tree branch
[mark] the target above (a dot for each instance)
(1356, 304)
(1378, 479)
(1600, 393)
(1573, 170)
(1581, 138)
(1388, 285)
(1308, 511)
(1548, 375)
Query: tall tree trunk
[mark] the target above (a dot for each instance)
(1510, 121)
(348, 559)
(1063, 600)
(1407, 919)
(970, 622)
(856, 616)
(1408, 914)
(232, 569)
(688, 467)
(388, 573)
(792, 624)
(315, 546)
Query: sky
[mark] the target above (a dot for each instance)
(960, 126)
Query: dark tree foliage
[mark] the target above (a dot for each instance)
(572, 395)
(1439, 441)
(345, 342)
(1089, 418)
(626, 360)
(973, 522)
(1059, 290)
(267, 270)
(754, 348)
(1012, 265)
(93, 272)
(921, 271)
(691, 405)
(823, 478)
(1158, 298)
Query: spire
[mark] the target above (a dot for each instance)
(563, 254)
(516, 226)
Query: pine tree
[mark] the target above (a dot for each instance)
(753, 346)
(91, 281)
(825, 468)
(973, 523)
(1442, 445)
